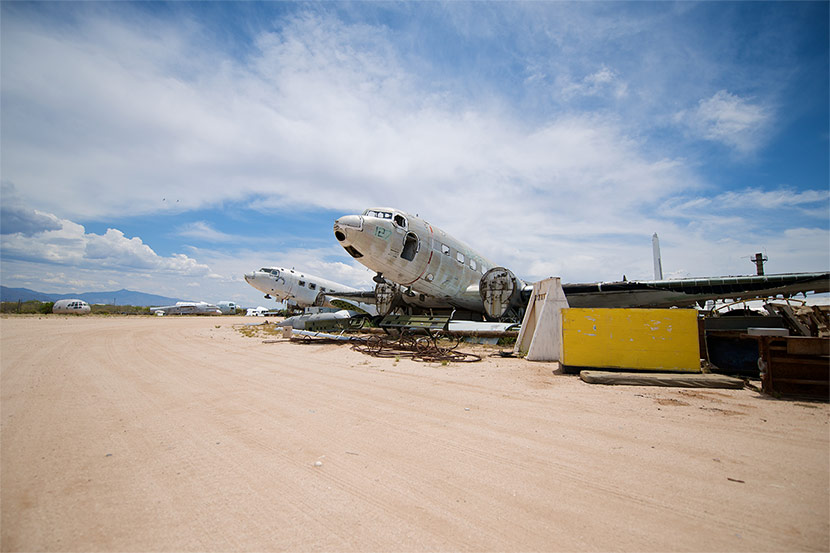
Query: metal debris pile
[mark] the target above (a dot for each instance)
(803, 319)
(418, 348)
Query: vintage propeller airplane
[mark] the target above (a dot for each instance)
(419, 265)
(300, 289)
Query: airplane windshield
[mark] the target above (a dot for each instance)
(378, 214)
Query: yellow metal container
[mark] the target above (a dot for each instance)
(664, 340)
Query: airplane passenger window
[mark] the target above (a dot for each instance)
(445, 249)
(312, 286)
(473, 264)
(302, 283)
(460, 257)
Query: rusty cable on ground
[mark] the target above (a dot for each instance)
(418, 349)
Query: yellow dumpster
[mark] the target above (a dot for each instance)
(663, 340)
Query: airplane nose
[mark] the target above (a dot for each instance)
(355, 221)
(249, 277)
(346, 230)
(346, 224)
(350, 221)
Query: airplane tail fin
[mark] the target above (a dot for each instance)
(658, 263)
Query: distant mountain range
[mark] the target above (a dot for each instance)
(119, 297)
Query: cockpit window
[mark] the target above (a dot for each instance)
(378, 214)
(399, 220)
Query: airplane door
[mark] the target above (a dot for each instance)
(416, 252)
(287, 288)
(411, 245)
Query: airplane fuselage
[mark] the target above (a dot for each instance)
(71, 306)
(299, 288)
(187, 308)
(415, 255)
(293, 286)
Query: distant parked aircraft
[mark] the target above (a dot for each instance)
(418, 264)
(77, 307)
(305, 290)
(187, 308)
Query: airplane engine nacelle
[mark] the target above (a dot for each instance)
(500, 291)
(387, 297)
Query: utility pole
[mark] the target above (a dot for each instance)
(759, 262)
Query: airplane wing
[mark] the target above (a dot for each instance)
(364, 296)
(363, 301)
(688, 291)
(652, 293)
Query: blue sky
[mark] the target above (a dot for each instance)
(170, 148)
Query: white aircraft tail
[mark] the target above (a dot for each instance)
(658, 263)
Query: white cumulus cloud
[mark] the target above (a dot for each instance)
(731, 120)
(71, 245)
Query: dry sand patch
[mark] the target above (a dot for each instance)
(181, 434)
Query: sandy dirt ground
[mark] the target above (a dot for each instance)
(181, 434)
